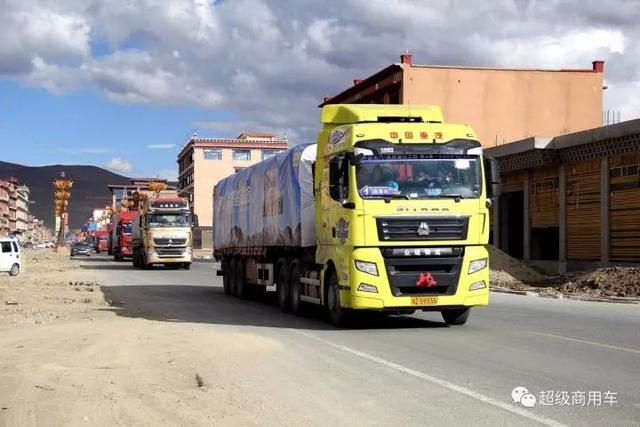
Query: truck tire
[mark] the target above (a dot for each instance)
(338, 315)
(145, 265)
(231, 276)
(227, 278)
(15, 269)
(136, 258)
(294, 288)
(186, 265)
(282, 285)
(456, 317)
(241, 288)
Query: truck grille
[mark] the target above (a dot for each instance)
(404, 270)
(169, 251)
(422, 228)
(166, 241)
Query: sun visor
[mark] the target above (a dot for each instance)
(381, 147)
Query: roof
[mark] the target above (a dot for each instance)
(349, 92)
(256, 135)
(360, 85)
(617, 130)
(233, 143)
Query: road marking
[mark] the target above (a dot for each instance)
(454, 387)
(613, 347)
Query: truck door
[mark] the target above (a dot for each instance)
(6, 256)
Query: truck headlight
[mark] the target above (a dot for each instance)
(367, 267)
(364, 287)
(477, 265)
(477, 285)
(188, 250)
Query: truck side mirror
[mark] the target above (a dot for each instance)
(194, 220)
(348, 205)
(492, 178)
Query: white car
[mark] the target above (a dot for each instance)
(10, 256)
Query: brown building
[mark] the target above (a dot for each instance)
(203, 162)
(141, 185)
(502, 105)
(572, 201)
(4, 207)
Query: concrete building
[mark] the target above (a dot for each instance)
(502, 105)
(22, 212)
(572, 201)
(203, 162)
(141, 185)
(4, 208)
(13, 204)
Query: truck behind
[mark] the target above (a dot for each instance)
(161, 233)
(120, 235)
(389, 212)
(102, 237)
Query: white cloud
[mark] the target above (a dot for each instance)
(271, 62)
(120, 164)
(161, 146)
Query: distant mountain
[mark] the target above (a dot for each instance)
(89, 189)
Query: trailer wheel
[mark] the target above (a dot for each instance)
(282, 285)
(294, 288)
(338, 315)
(232, 276)
(456, 317)
(227, 278)
(134, 258)
(241, 287)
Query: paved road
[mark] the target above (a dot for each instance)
(414, 370)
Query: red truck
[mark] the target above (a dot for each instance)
(120, 237)
(101, 240)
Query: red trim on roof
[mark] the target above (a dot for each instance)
(380, 75)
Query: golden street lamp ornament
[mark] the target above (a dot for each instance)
(61, 197)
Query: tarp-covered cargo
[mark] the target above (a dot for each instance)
(268, 204)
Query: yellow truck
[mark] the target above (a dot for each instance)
(388, 211)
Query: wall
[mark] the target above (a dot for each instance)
(509, 105)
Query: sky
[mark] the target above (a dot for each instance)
(123, 84)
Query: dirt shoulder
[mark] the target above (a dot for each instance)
(68, 359)
(50, 288)
(614, 284)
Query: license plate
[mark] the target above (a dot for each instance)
(424, 300)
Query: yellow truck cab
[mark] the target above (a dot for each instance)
(403, 215)
(388, 211)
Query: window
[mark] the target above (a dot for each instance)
(213, 154)
(339, 178)
(15, 247)
(237, 169)
(267, 154)
(6, 247)
(241, 155)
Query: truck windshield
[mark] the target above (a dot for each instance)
(418, 178)
(126, 228)
(169, 220)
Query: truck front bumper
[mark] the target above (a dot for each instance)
(365, 291)
(154, 257)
